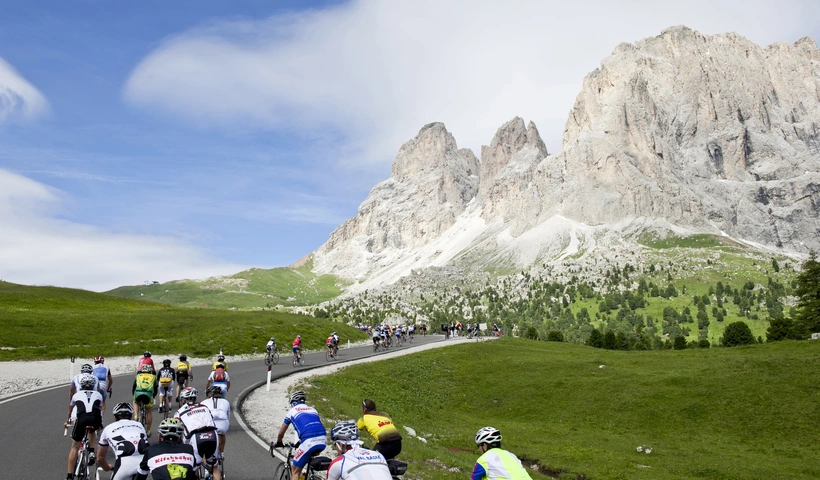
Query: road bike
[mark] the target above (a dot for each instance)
(141, 415)
(298, 359)
(204, 474)
(82, 470)
(272, 357)
(317, 464)
(332, 353)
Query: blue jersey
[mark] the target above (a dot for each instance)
(101, 372)
(305, 421)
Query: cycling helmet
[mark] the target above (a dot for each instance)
(298, 336)
(86, 368)
(220, 358)
(298, 397)
(334, 333)
(123, 409)
(166, 362)
(345, 432)
(488, 435)
(147, 354)
(87, 381)
(188, 394)
(272, 339)
(214, 390)
(99, 359)
(220, 365)
(183, 357)
(146, 368)
(170, 428)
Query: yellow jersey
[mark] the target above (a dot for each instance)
(217, 363)
(379, 426)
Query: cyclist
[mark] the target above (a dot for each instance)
(166, 376)
(184, 374)
(103, 374)
(169, 459)
(381, 428)
(330, 343)
(85, 412)
(144, 390)
(354, 462)
(86, 369)
(200, 430)
(220, 378)
(495, 463)
(309, 428)
(376, 336)
(146, 360)
(297, 346)
(271, 346)
(221, 411)
(411, 331)
(128, 439)
(220, 359)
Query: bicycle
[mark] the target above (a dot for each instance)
(81, 466)
(330, 354)
(317, 463)
(298, 359)
(272, 357)
(204, 474)
(141, 415)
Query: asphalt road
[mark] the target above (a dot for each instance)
(32, 423)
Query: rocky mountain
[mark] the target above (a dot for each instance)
(681, 132)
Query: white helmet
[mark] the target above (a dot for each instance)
(487, 435)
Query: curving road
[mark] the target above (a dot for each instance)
(31, 423)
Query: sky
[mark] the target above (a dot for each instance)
(154, 141)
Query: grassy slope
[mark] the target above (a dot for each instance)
(50, 322)
(734, 413)
(252, 289)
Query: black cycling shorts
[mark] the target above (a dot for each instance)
(388, 449)
(85, 420)
(181, 377)
(206, 445)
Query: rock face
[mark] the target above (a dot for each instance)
(709, 133)
(431, 184)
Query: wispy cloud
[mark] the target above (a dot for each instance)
(37, 247)
(375, 71)
(19, 100)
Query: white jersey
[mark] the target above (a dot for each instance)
(359, 464)
(211, 377)
(126, 437)
(76, 382)
(195, 418)
(221, 411)
(86, 401)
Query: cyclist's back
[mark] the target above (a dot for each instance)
(359, 464)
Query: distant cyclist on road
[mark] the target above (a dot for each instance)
(220, 378)
(86, 369)
(495, 463)
(146, 360)
(103, 374)
(127, 438)
(309, 428)
(271, 345)
(184, 374)
(381, 428)
(354, 462)
(86, 412)
(297, 345)
(166, 377)
(169, 459)
(145, 389)
(220, 360)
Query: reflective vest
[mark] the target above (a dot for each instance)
(501, 464)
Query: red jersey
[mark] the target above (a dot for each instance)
(146, 361)
(297, 342)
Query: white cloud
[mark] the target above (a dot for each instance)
(39, 248)
(377, 70)
(19, 100)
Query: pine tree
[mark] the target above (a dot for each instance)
(808, 291)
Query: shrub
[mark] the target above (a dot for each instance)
(531, 333)
(738, 333)
(555, 336)
(595, 338)
(703, 343)
(680, 342)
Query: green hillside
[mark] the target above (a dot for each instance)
(576, 412)
(51, 322)
(253, 289)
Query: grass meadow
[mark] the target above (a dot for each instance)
(51, 322)
(571, 411)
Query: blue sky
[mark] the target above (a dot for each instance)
(165, 140)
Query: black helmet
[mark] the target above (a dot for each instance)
(166, 362)
(220, 358)
(147, 354)
(183, 357)
(298, 397)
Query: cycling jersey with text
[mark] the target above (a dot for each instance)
(166, 376)
(305, 421)
(126, 437)
(359, 464)
(195, 418)
(379, 426)
(168, 461)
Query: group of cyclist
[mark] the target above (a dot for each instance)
(198, 429)
(384, 335)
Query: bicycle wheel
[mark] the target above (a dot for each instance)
(141, 417)
(221, 466)
(275, 357)
(282, 472)
(328, 355)
(268, 359)
(301, 359)
(81, 470)
(295, 360)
